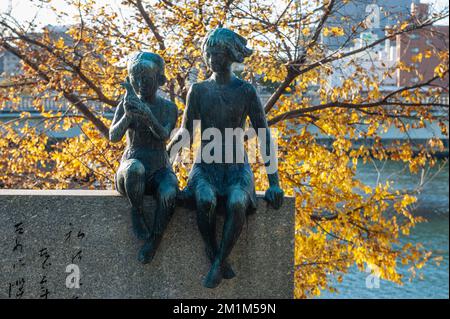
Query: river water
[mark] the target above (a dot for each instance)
(433, 204)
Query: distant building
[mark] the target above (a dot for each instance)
(378, 15)
(9, 64)
(408, 46)
(383, 59)
(404, 49)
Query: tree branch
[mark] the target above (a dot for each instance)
(150, 24)
(76, 69)
(83, 108)
(384, 101)
(293, 71)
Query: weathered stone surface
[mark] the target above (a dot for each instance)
(93, 229)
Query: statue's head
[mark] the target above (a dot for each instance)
(146, 72)
(222, 47)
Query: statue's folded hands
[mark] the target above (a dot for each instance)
(136, 108)
(132, 103)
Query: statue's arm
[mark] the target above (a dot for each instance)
(119, 124)
(172, 118)
(187, 122)
(258, 120)
(159, 131)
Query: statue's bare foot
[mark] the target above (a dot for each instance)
(138, 223)
(227, 271)
(214, 276)
(147, 252)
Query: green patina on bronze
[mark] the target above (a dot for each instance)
(222, 102)
(147, 121)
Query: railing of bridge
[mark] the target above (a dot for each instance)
(26, 104)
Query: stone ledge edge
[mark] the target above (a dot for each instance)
(76, 192)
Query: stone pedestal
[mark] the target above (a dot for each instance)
(47, 236)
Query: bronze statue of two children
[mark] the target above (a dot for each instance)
(221, 102)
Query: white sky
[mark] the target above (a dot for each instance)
(438, 5)
(24, 10)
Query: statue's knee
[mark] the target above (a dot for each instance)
(168, 195)
(237, 202)
(134, 168)
(206, 201)
(118, 184)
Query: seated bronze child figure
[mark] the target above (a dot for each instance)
(224, 102)
(145, 169)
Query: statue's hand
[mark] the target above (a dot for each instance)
(135, 108)
(132, 103)
(130, 108)
(274, 196)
